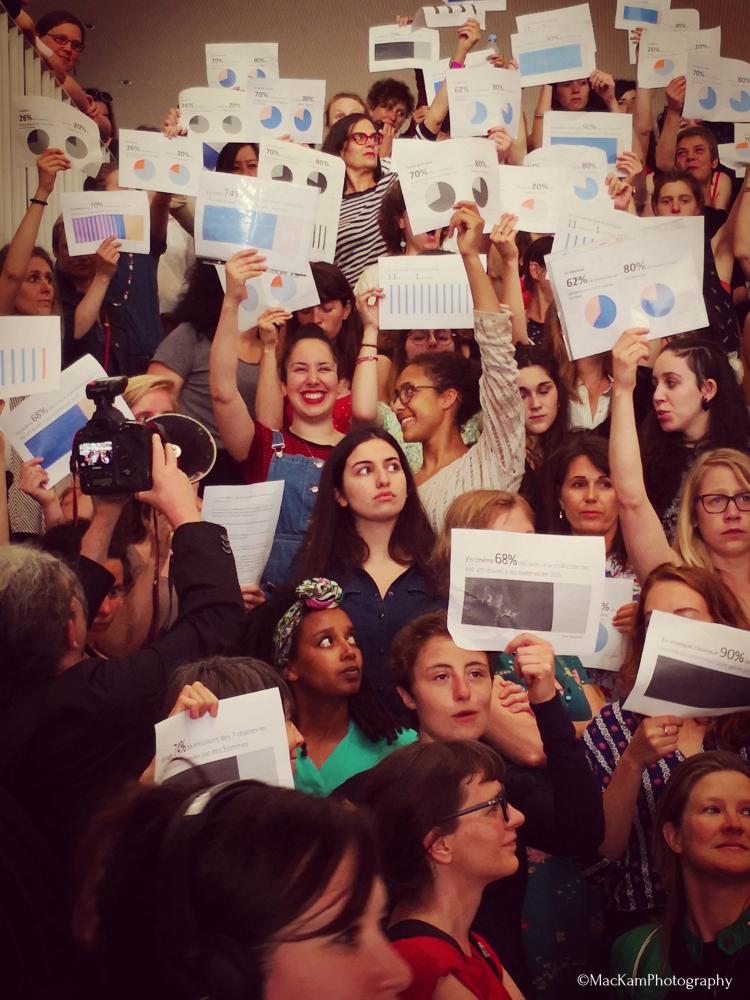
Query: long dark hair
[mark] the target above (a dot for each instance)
(228, 154)
(340, 132)
(528, 356)
(214, 890)
(665, 453)
(595, 102)
(200, 303)
(332, 285)
(332, 546)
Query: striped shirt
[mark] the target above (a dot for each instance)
(359, 240)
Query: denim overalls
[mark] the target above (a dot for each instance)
(300, 475)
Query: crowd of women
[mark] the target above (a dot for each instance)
(466, 823)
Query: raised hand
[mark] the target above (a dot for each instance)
(107, 256)
(241, 267)
(48, 166)
(503, 237)
(630, 351)
(535, 665)
(467, 225)
(271, 324)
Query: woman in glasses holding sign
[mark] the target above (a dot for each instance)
(634, 756)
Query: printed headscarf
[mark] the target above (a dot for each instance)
(316, 594)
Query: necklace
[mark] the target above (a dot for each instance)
(126, 293)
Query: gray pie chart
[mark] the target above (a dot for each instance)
(37, 140)
(440, 196)
(232, 124)
(317, 180)
(480, 191)
(76, 147)
(198, 123)
(282, 173)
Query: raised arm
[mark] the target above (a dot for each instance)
(502, 268)
(21, 248)
(543, 105)
(233, 419)
(87, 310)
(723, 243)
(642, 530)
(4, 522)
(269, 399)
(643, 121)
(365, 380)
(468, 224)
(666, 144)
(468, 35)
(742, 229)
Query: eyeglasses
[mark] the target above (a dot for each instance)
(62, 40)
(717, 503)
(420, 337)
(499, 800)
(405, 393)
(362, 138)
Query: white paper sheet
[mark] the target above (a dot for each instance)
(433, 179)
(273, 290)
(152, 162)
(287, 107)
(503, 583)
(663, 54)
(44, 426)
(734, 156)
(718, 89)
(247, 739)
(425, 292)
(485, 5)
(215, 114)
(449, 15)
(231, 64)
(577, 18)
(582, 159)
(92, 216)
(286, 161)
(547, 56)
(42, 123)
(594, 225)
(391, 47)
(434, 73)
(640, 13)
(538, 194)
(483, 97)
(596, 129)
(691, 669)
(233, 213)
(669, 20)
(29, 355)
(602, 291)
(611, 645)
(249, 514)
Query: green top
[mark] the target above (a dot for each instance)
(570, 674)
(355, 753)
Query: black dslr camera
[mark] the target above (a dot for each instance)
(111, 455)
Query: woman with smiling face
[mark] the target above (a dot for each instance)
(440, 850)
(347, 729)
(308, 370)
(702, 851)
(634, 756)
(357, 140)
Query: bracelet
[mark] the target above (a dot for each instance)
(38, 201)
(368, 347)
(537, 115)
(455, 64)
(370, 357)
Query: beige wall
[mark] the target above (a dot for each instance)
(158, 44)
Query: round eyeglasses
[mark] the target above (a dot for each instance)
(405, 393)
(363, 138)
(421, 337)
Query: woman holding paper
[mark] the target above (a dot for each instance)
(597, 93)
(347, 728)
(702, 852)
(437, 393)
(634, 756)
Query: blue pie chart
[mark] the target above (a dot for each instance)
(600, 312)
(601, 639)
(179, 173)
(303, 120)
(507, 113)
(283, 287)
(228, 78)
(270, 116)
(480, 113)
(586, 191)
(741, 103)
(708, 98)
(657, 300)
(252, 301)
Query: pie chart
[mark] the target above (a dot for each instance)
(600, 312)
(76, 147)
(708, 98)
(251, 303)
(144, 170)
(227, 78)
(37, 140)
(663, 66)
(586, 191)
(440, 196)
(179, 173)
(258, 73)
(479, 113)
(283, 287)
(198, 123)
(302, 120)
(657, 300)
(282, 173)
(232, 124)
(480, 191)
(317, 180)
(741, 102)
(507, 113)
(270, 116)
(602, 637)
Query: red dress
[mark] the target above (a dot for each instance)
(433, 954)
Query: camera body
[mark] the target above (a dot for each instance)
(111, 455)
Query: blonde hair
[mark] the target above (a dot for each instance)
(473, 509)
(689, 545)
(139, 385)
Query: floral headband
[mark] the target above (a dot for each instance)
(317, 594)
